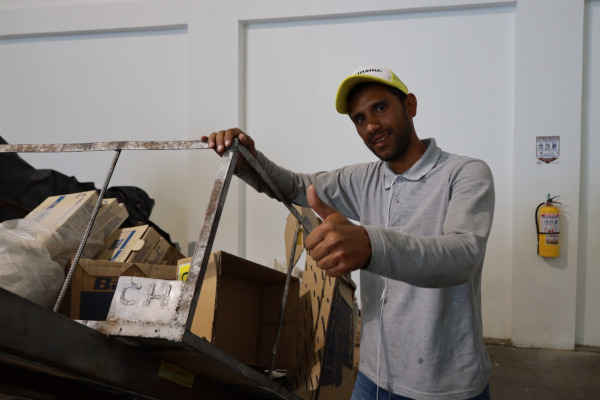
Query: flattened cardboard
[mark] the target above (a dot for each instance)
(337, 374)
(326, 327)
(325, 335)
(315, 309)
(291, 226)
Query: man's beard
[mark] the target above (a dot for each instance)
(400, 145)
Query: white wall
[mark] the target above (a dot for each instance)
(548, 92)
(489, 75)
(290, 108)
(103, 86)
(588, 251)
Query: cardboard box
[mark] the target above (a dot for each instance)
(94, 282)
(111, 215)
(56, 211)
(66, 218)
(132, 244)
(326, 337)
(164, 253)
(183, 268)
(65, 214)
(238, 310)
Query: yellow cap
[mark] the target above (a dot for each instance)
(366, 74)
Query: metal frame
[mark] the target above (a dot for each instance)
(170, 330)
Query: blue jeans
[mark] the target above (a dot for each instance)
(366, 389)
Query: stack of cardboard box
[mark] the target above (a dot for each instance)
(110, 251)
(133, 251)
(66, 218)
(138, 244)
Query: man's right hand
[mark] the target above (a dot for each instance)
(222, 140)
(337, 245)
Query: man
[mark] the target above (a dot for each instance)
(425, 216)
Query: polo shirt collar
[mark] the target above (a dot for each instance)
(420, 168)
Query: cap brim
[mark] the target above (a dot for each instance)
(347, 84)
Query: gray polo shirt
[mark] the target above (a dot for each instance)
(421, 292)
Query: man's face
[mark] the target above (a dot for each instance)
(382, 121)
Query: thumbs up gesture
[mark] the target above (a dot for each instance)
(337, 245)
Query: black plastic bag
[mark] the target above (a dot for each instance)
(23, 187)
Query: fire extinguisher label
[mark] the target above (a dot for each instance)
(552, 240)
(549, 223)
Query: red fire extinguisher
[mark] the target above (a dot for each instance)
(547, 222)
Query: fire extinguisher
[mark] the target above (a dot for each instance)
(547, 222)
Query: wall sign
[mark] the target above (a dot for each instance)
(547, 148)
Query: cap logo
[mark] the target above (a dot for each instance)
(366, 71)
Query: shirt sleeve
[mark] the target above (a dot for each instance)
(332, 186)
(451, 258)
(292, 185)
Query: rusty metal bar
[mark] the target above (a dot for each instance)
(191, 291)
(104, 146)
(86, 235)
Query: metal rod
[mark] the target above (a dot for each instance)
(286, 290)
(265, 176)
(86, 235)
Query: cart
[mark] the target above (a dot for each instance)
(148, 351)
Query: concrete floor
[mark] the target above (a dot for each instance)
(536, 374)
